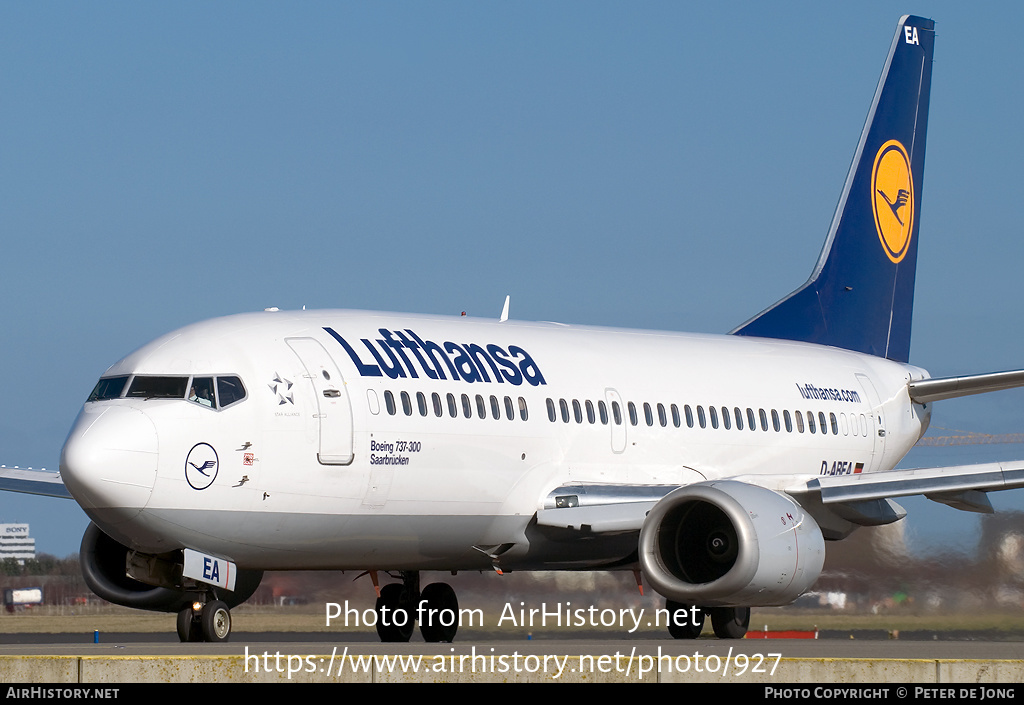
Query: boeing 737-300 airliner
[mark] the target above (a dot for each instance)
(715, 466)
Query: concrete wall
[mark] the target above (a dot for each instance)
(830, 672)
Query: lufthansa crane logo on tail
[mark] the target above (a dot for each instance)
(892, 199)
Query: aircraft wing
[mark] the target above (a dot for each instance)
(864, 499)
(961, 486)
(41, 482)
(600, 509)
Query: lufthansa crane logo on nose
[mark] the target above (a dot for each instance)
(892, 199)
(201, 466)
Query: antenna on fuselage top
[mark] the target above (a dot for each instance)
(504, 311)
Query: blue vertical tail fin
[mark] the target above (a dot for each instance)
(860, 295)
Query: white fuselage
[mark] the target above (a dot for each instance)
(345, 452)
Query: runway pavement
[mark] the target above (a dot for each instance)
(830, 644)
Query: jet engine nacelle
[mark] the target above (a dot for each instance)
(718, 544)
(103, 563)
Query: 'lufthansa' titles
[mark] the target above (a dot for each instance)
(400, 354)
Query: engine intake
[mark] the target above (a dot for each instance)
(730, 544)
(104, 561)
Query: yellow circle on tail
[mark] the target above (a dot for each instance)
(892, 199)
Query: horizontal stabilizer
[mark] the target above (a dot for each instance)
(924, 391)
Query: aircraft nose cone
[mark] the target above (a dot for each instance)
(109, 462)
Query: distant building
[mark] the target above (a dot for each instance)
(15, 543)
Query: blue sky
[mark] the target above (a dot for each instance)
(657, 165)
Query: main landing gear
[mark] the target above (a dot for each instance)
(687, 621)
(204, 622)
(400, 606)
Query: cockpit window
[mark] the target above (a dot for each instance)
(158, 387)
(108, 388)
(211, 392)
(201, 391)
(229, 390)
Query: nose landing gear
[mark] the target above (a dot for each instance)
(204, 622)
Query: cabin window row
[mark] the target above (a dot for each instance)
(713, 417)
(464, 405)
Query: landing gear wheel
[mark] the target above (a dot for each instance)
(216, 621)
(394, 616)
(189, 628)
(681, 622)
(730, 622)
(442, 613)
